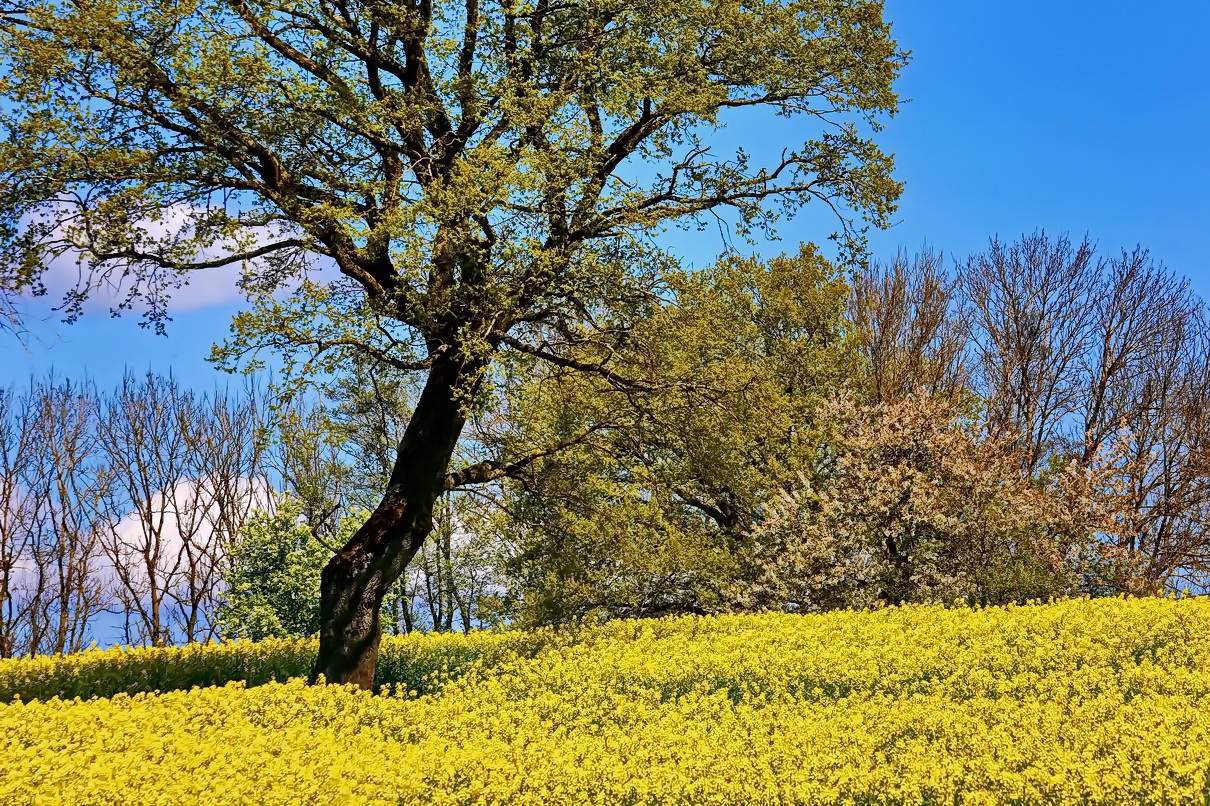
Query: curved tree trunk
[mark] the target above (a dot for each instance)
(355, 581)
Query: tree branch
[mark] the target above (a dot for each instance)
(159, 260)
(490, 470)
(571, 363)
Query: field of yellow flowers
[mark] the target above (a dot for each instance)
(1092, 701)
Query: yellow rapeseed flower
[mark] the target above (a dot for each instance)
(1095, 701)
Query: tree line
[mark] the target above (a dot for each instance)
(1074, 355)
(1027, 423)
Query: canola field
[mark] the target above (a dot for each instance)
(1080, 702)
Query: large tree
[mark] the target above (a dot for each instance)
(486, 177)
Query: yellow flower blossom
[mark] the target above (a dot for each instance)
(1095, 701)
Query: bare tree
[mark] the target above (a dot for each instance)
(18, 520)
(71, 487)
(911, 321)
(1098, 359)
(129, 500)
(1162, 485)
(226, 437)
(1030, 319)
(53, 489)
(307, 459)
(140, 435)
(1143, 320)
(166, 554)
(232, 457)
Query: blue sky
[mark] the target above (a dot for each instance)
(1070, 115)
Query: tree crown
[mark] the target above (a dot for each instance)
(468, 167)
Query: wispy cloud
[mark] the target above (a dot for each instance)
(69, 272)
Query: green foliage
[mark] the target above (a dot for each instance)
(748, 473)
(644, 515)
(465, 174)
(273, 586)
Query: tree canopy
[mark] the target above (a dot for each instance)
(449, 156)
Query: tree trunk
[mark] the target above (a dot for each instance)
(355, 581)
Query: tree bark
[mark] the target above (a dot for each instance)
(355, 581)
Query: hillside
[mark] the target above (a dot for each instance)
(1101, 701)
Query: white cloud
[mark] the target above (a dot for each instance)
(205, 288)
(163, 527)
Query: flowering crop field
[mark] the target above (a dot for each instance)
(1095, 701)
